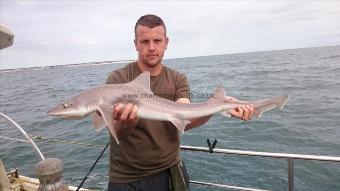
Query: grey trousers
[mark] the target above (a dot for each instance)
(157, 182)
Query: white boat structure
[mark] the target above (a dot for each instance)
(6, 37)
(48, 170)
(16, 182)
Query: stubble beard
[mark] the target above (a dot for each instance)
(152, 65)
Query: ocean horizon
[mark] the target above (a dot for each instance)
(131, 60)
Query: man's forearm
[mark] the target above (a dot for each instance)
(197, 122)
(193, 122)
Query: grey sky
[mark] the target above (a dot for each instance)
(61, 32)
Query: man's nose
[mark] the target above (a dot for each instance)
(152, 46)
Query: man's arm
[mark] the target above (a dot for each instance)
(243, 112)
(193, 122)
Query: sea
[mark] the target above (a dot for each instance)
(309, 124)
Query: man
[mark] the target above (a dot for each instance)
(148, 154)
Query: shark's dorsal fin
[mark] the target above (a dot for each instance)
(143, 80)
(219, 95)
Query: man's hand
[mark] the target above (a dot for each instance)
(127, 117)
(127, 114)
(244, 112)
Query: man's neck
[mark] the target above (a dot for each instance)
(154, 71)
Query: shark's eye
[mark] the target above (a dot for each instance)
(66, 105)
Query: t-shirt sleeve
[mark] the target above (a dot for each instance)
(115, 78)
(182, 87)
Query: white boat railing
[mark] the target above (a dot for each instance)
(290, 162)
(23, 132)
(290, 157)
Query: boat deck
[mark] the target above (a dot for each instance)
(24, 183)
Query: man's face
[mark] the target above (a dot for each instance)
(150, 44)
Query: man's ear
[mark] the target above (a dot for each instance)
(135, 42)
(166, 42)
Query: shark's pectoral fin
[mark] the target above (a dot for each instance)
(98, 121)
(106, 112)
(179, 123)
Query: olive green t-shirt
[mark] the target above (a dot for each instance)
(154, 145)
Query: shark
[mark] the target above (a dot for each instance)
(99, 102)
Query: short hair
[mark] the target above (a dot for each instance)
(150, 21)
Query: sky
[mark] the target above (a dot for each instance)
(63, 32)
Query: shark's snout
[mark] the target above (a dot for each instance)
(55, 111)
(68, 110)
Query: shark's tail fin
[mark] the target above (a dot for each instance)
(264, 105)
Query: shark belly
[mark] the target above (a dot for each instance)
(153, 114)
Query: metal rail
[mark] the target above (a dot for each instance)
(290, 159)
(264, 154)
(23, 132)
(224, 186)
